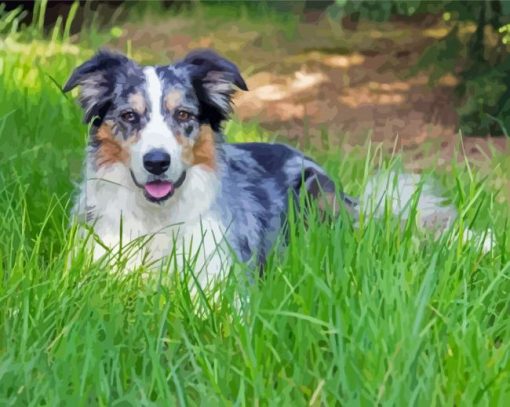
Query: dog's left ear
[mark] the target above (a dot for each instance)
(214, 79)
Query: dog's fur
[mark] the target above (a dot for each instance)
(215, 199)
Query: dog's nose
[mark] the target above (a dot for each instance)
(156, 161)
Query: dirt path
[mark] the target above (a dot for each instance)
(350, 84)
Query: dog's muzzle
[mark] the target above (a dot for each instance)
(161, 189)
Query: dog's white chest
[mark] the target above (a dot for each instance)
(187, 233)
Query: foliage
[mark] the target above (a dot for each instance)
(478, 54)
(383, 10)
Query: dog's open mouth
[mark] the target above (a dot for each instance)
(161, 189)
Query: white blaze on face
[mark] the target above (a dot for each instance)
(156, 134)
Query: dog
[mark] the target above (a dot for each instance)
(158, 168)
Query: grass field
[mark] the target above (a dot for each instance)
(367, 316)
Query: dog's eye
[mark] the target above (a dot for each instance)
(182, 115)
(130, 117)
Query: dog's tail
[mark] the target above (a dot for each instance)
(403, 194)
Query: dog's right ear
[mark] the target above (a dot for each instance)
(96, 78)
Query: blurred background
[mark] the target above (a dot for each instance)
(408, 73)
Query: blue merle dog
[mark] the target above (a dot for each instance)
(159, 169)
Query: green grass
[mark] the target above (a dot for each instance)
(375, 315)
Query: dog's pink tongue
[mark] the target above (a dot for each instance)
(159, 189)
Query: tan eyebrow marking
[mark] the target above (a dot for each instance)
(137, 102)
(173, 99)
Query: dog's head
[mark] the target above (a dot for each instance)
(157, 121)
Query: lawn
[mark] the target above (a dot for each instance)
(344, 315)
